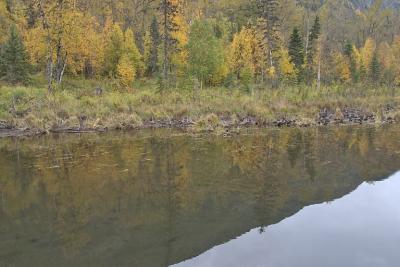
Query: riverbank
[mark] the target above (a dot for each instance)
(31, 110)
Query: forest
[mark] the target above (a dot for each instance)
(299, 47)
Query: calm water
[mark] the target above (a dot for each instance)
(291, 197)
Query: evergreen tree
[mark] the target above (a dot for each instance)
(349, 53)
(296, 49)
(14, 64)
(312, 41)
(375, 69)
(313, 37)
(169, 10)
(270, 25)
(147, 43)
(155, 42)
(312, 48)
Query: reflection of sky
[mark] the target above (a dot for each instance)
(360, 230)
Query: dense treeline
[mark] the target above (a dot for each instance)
(197, 43)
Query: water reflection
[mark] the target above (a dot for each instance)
(158, 198)
(361, 229)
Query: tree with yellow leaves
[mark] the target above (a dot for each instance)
(387, 60)
(342, 68)
(5, 21)
(396, 54)
(245, 54)
(287, 68)
(65, 37)
(367, 52)
(126, 71)
(181, 35)
(132, 52)
(240, 53)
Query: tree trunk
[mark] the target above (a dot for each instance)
(49, 70)
(319, 73)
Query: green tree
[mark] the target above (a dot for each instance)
(313, 37)
(375, 69)
(170, 11)
(155, 43)
(312, 49)
(147, 42)
(205, 51)
(349, 53)
(14, 64)
(132, 52)
(270, 21)
(296, 50)
(113, 51)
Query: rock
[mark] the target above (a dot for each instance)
(82, 119)
(98, 91)
(4, 125)
(284, 122)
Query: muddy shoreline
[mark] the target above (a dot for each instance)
(346, 116)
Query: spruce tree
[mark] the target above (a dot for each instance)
(312, 49)
(155, 43)
(270, 26)
(313, 37)
(169, 10)
(296, 49)
(14, 66)
(349, 53)
(375, 69)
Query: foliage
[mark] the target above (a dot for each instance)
(205, 52)
(126, 71)
(263, 41)
(296, 52)
(114, 50)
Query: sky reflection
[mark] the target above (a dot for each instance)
(360, 229)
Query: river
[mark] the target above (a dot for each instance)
(311, 197)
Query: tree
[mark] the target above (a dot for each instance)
(205, 52)
(312, 49)
(169, 10)
(13, 59)
(287, 68)
(375, 68)
(113, 51)
(368, 51)
(179, 57)
(240, 53)
(126, 71)
(353, 61)
(155, 43)
(147, 43)
(246, 53)
(4, 21)
(313, 37)
(132, 52)
(296, 51)
(270, 25)
(68, 35)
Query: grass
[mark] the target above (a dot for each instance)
(33, 108)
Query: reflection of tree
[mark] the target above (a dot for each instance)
(294, 146)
